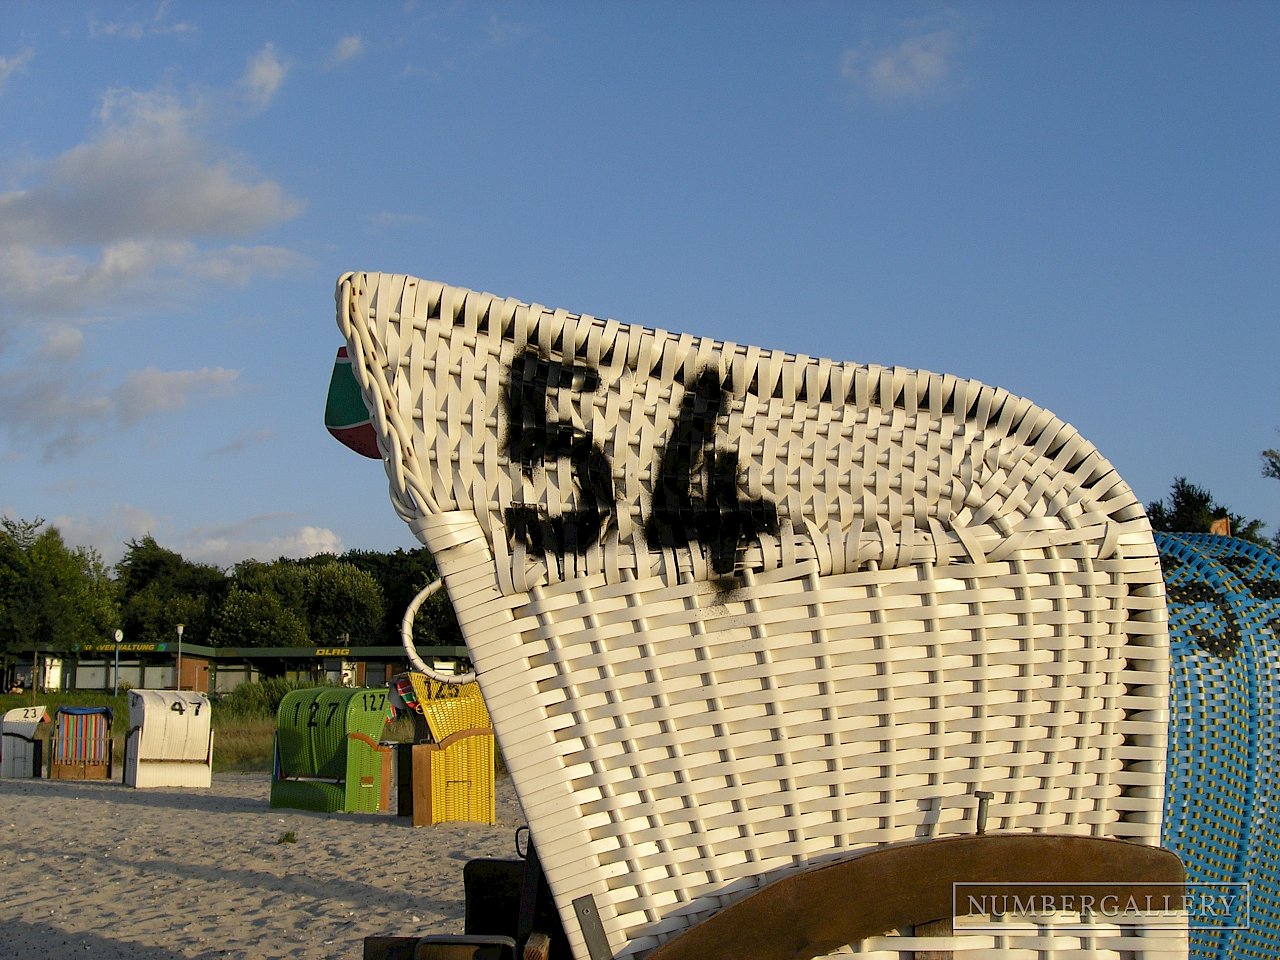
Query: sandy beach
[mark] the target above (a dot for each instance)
(100, 870)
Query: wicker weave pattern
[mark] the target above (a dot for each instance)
(450, 710)
(928, 587)
(1222, 804)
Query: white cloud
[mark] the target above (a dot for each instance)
(43, 407)
(263, 77)
(107, 534)
(250, 438)
(146, 178)
(161, 110)
(226, 546)
(151, 274)
(236, 264)
(918, 67)
(151, 391)
(137, 29)
(61, 343)
(11, 65)
(265, 538)
(64, 416)
(139, 209)
(346, 49)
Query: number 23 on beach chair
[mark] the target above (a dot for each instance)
(784, 655)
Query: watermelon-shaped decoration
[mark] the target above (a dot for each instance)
(1222, 802)
(345, 414)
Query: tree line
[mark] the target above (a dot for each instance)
(60, 597)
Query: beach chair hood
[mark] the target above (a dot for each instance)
(737, 612)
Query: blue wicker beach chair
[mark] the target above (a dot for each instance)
(778, 649)
(1222, 802)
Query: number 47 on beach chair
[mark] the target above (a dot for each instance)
(784, 655)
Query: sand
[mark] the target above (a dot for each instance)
(103, 871)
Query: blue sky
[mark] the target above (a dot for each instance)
(1077, 202)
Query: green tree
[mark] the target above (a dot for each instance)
(51, 595)
(402, 575)
(257, 619)
(1271, 468)
(1192, 509)
(160, 589)
(333, 602)
(344, 604)
(284, 579)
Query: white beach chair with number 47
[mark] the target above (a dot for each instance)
(170, 741)
(785, 655)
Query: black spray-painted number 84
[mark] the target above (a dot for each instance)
(716, 516)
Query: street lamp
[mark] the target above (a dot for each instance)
(178, 685)
(115, 688)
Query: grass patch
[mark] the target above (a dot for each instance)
(243, 744)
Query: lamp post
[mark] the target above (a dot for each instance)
(178, 685)
(115, 687)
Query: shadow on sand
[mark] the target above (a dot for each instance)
(35, 941)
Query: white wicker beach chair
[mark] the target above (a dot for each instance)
(744, 619)
(170, 739)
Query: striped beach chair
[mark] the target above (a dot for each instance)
(783, 653)
(80, 746)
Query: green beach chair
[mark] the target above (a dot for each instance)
(328, 755)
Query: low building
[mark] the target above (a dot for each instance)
(155, 665)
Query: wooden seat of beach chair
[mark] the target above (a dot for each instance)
(80, 744)
(737, 613)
